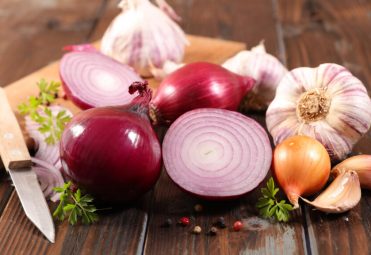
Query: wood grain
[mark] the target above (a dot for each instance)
(317, 32)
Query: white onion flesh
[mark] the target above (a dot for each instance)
(216, 153)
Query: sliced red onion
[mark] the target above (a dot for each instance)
(49, 177)
(216, 153)
(44, 151)
(91, 79)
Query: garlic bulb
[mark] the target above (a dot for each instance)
(343, 194)
(266, 69)
(327, 103)
(361, 164)
(143, 35)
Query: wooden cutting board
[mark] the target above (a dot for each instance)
(200, 49)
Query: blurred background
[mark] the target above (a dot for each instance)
(299, 32)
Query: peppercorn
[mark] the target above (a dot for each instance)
(237, 226)
(168, 222)
(197, 230)
(184, 221)
(213, 231)
(220, 223)
(198, 208)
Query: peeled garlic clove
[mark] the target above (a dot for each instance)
(266, 69)
(343, 194)
(361, 164)
(143, 34)
(327, 103)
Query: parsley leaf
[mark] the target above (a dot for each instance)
(52, 125)
(269, 206)
(75, 206)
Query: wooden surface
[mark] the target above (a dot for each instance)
(299, 32)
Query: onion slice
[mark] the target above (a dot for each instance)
(49, 177)
(91, 79)
(216, 153)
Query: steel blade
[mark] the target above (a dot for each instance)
(33, 201)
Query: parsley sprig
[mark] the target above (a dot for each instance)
(75, 206)
(52, 125)
(269, 206)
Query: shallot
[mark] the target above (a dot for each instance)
(301, 166)
(216, 154)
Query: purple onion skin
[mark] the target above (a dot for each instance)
(112, 153)
(199, 85)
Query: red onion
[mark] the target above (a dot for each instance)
(113, 152)
(199, 85)
(216, 154)
(91, 79)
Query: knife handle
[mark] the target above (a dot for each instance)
(13, 149)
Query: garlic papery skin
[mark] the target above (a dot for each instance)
(143, 35)
(266, 69)
(341, 195)
(167, 68)
(361, 164)
(327, 103)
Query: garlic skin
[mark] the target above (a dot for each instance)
(266, 69)
(142, 36)
(327, 103)
(167, 68)
(361, 164)
(341, 195)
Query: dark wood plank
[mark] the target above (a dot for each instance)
(338, 31)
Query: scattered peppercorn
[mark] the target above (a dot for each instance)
(220, 223)
(237, 226)
(213, 231)
(198, 208)
(184, 221)
(168, 222)
(197, 230)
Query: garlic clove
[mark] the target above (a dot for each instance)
(343, 194)
(361, 164)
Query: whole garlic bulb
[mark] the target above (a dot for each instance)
(266, 69)
(327, 103)
(143, 36)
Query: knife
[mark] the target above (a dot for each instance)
(17, 162)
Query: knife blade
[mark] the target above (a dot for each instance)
(17, 162)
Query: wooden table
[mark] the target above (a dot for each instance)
(299, 32)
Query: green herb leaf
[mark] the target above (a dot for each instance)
(269, 206)
(37, 108)
(75, 206)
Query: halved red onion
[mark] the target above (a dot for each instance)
(91, 79)
(49, 177)
(216, 153)
(46, 152)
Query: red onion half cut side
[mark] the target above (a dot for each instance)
(216, 154)
(91, 79)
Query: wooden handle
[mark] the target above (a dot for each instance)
(13, 149)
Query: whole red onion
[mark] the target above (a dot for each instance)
(198, 85)
(113, 152)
